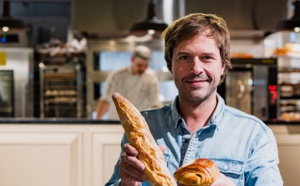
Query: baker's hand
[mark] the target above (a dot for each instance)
(222, 180)
(131, 170)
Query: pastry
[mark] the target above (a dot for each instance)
(140, 137)
(200, 172)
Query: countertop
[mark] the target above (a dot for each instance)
(77, 121)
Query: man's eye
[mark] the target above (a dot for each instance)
(207, 57)
(183, 57)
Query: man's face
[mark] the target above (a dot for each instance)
(139, 65)
(197, 68)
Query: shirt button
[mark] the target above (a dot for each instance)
(185, 140)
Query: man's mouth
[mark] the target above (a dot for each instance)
(196, 82)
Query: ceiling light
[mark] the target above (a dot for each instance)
(6, 21)
(5, 29)
(292, 23)
(151, 32)
(150, 25)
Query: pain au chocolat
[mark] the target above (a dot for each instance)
(200, 172)
(140, 137)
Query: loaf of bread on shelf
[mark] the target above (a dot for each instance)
(140, 137)
(200, 172)
(288, 49)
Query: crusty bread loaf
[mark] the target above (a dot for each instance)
(200, 172)
(140, 137)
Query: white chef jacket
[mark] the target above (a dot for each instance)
(141, 90)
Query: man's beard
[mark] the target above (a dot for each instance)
(201, 94)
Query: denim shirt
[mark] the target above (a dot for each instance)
(241, 145)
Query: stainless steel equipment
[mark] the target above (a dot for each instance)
(6, 93)
(14, 38)
(17, 58)
(251, 86)
(20, 62)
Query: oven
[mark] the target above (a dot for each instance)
(6, 93)
(16, 81)
(251, 86)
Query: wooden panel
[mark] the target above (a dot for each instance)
(40, 159)
(289, 153)
(105, 152)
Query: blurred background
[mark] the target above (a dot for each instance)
(57, 53)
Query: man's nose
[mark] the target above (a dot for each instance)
(196, 66)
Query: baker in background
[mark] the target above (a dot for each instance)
(137, 83)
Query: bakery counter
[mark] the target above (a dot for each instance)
(288, 143)
(58, 152)
(279, 122)
(83, 152)
(77, 121)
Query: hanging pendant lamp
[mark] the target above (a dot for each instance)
(7, 22)
(151, 25)
(292, 23)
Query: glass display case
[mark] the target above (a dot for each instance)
(285, 46)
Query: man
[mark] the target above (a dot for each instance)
(136, 83)
(198, 124)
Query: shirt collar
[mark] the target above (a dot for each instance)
(176, 117)
(215, 119)
(217, 116)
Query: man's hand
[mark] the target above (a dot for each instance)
(222, 180)
(131, 170)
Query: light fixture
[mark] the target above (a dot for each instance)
(292, 23)
(151, 25)
(8, 23)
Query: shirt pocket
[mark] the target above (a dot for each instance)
(233, 169)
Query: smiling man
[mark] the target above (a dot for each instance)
(198, 124)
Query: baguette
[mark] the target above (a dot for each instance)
(140, 137)
(200, 172)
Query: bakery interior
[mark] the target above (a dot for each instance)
(57, 53)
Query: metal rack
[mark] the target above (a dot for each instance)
(61, 91)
